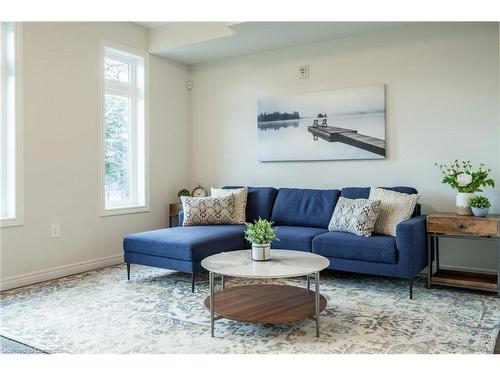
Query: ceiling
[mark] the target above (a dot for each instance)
(150, 25)
(199, 42)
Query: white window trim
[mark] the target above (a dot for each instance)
(19, 219)
(102, 197)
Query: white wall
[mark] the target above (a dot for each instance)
(442, 104)
(61, 129)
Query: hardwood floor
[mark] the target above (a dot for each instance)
(497, 345)
(8, 346)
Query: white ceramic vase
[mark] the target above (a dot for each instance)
(463, 203)
(261, 252)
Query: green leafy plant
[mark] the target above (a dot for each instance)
(183, 193)
(461, 176)
(480, 202)
(260, 232)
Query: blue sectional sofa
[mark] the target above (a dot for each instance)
(301, 217)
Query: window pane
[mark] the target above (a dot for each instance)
(117, 152)
(8, 121)
(116, 70)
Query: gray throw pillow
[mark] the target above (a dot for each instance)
(208, 210)
(356, 216)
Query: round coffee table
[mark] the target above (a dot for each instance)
(265, 303)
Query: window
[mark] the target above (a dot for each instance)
(10, 116)
(124, 184)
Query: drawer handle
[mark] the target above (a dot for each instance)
(461, 226)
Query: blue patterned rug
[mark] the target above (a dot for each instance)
(101, 312)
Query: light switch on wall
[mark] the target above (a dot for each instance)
(56, 230)
(303, 71)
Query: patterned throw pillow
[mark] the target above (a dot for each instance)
(394, 208)
(208, 210)
(240, 196)
(356, 216)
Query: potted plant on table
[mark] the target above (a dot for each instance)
(260, 234)
(480, 205)
(461, 176)
(183, 193)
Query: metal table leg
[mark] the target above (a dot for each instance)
(223, 280)
(316, 301)
(498, 267)
(308, 283)
(212, 302)
(437, 253)
(430, 252)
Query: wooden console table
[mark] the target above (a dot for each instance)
(451, 225)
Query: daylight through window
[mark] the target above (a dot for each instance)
(124, 130)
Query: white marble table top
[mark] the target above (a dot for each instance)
(283, 263)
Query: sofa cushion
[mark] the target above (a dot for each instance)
(395, 207)
(209, 210)
(260, 201)
(377, 248)
(186, 243)
(364, 192)
(295, 238)
(240, 201)
(304, 207)
(356, 216)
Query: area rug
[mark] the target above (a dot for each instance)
(155, 312)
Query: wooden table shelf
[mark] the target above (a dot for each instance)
(450, 225)
(465, 279)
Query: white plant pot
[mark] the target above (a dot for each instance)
(261, 252)
(463, 203)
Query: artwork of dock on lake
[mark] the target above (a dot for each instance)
(328, 125)
(348, 136)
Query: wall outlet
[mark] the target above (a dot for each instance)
(56, 230)
(303, 71)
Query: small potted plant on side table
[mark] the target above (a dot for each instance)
(260, 234)
(480, 206)
(183, 193)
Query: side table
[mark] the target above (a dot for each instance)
(174, 209)
(451, 225)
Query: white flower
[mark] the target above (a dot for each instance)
(464, 179)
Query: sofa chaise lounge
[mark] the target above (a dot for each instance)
(301, 217)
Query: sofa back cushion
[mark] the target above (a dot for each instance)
(260, 201)
(364, 192)
(304, 207)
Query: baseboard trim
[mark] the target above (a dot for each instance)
(57, 272)
(473, 269)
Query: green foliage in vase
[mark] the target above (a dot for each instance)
(480, 202)
(260, 232)
(183, 193)
(461, 176)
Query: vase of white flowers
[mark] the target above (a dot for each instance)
(467, 181)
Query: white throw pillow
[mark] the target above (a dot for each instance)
(240, 201)
(394, 208)
(356, 216)
(208, 210)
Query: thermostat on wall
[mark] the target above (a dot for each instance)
(304, 71)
